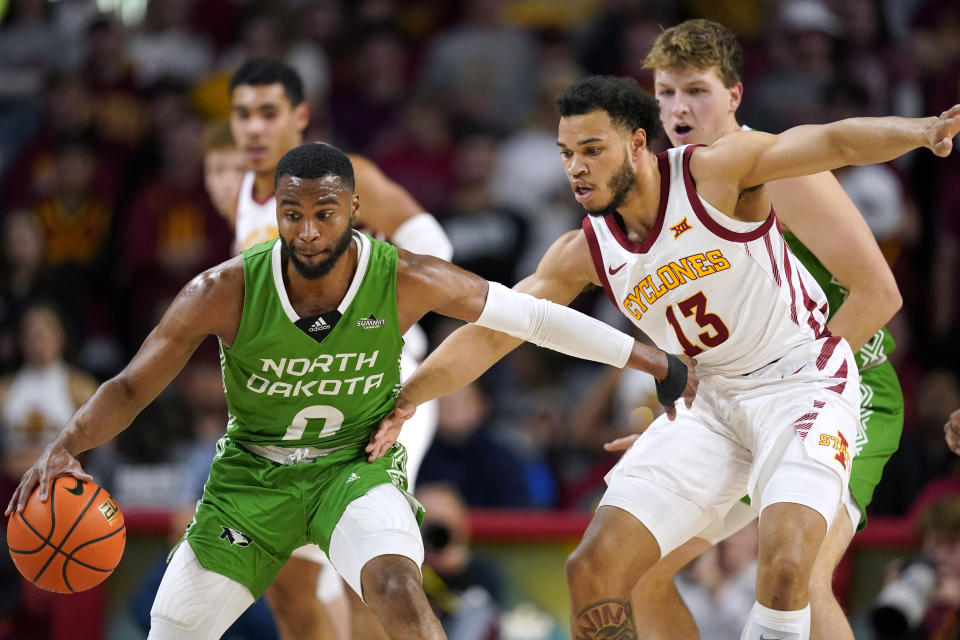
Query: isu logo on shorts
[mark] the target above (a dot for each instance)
(839, 443)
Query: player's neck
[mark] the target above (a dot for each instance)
(310, 297)
(263, 185)
(640, 209)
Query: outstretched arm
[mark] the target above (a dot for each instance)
(818, 211)
(741, 160)
(210, 303)
(564, 271)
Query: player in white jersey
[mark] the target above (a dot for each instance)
(268, 116)
(778, 396)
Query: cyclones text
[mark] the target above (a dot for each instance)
(670, 276)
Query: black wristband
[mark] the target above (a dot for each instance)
(673, 385)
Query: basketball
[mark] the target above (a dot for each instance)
(71, 542)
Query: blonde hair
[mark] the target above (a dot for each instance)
(217, 136)
(698, 44)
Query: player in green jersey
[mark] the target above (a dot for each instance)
(310, 328)
(697, 82)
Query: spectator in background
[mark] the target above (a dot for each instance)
(223, 168)
(418, 153)
(38, 399)
(803, 43)
(482, 68)
(166, 47)
(488, 239)
(173, 230)
(23, 279)
(921, 598)
(875, 189)
(464, 589)
(375, 89)
(466, 454)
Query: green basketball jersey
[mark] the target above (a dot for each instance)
(881, 343)
(323, 381)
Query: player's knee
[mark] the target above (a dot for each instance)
(784, 574)
(389, 579)
(584, 566)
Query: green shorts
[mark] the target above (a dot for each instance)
(254, 512)
(881, 415)
(881, 418)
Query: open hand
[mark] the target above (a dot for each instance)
(942, 130)
(53, 462)
(389, 429)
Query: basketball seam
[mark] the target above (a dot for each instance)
(70, 558)
(53, 526)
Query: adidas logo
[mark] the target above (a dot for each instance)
(371, 322)
(353, 476)
(319, 325)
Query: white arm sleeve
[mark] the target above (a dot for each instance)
(553, 326)
(423, 234)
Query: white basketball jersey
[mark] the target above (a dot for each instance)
(256, 221)
(724, 291)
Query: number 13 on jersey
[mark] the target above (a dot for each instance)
(696, 306)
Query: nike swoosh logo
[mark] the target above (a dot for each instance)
(78, 489)
(613, 271)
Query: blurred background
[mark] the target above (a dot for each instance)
(104, 216)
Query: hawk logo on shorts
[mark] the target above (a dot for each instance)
(234, 537)
(680, 227)
(839, 443)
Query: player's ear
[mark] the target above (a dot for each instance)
(736, 95)
(638, 143)
(301, 114)
(355, 207)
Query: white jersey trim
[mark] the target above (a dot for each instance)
(363, 261)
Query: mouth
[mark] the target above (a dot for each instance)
(682, 131)
(255, 154)
(582, 193)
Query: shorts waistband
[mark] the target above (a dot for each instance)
(291, 455)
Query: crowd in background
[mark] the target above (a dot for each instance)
(103, 213)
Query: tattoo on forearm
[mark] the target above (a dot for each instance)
(605, 620)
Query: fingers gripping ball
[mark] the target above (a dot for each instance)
(71, 542)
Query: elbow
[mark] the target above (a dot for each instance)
(888, 298)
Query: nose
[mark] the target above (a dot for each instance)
(678, 106)
(309, 229)
(576, 166)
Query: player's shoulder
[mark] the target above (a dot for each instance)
(220, 283)
(569, 259)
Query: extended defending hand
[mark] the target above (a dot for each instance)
(389, 429)
(951, 431)
(621, 444)
(942, 130)
(55, 461)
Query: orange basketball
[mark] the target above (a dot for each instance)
(71, 542)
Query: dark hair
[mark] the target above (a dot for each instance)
(261, 71)
(315, 160)
(622, 98)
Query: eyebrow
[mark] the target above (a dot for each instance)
(580, 143)
(257, 107)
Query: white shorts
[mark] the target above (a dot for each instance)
(418, 431)
(381, 522)
(778, 434)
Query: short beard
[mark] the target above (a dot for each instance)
(621, 184)
(316, 271)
